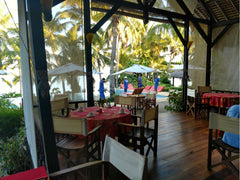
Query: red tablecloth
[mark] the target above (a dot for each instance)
(222, 100)
(107, 117)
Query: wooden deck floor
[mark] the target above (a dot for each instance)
(182, 151)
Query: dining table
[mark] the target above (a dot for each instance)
(222, 100)
(105, 116)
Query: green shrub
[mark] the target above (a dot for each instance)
(14, 154)
(10, 121)
(165, 79)
(175, 101)
(111, 99)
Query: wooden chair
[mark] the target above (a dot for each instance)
(60, 107)
(130, 163)
(190, 107)
(89, 142)
(128, 102)
(60, 96)
(203, 89)
(197, 105)
(228, 153)
(150, 101)
(136, 91)
(118, 162)
(138, 136)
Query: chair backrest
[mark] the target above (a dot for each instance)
(137, 91)
(204, 89)
(60, 96)
(151, 96)
(128, 101)
(59, 104)
(130, 163)
(224, 123)
(70, 125)
(191, 93)
(149, 115)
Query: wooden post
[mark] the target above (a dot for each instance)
(41, 81)
(208, 61)
(185, 64)
(88, 54)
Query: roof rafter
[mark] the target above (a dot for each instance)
(137, 16)
(161, 12)
(195, 23)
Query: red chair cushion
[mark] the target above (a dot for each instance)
(130, 87)
(37, 173)
(152, 88)
(160, 88)
(147, 88)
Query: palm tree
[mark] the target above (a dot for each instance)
(9, 46)
(121, 31)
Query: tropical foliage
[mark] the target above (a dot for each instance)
(14, 152)
(9, 46)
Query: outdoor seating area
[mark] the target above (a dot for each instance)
(129, 129)
(129, 89)
(189, 161)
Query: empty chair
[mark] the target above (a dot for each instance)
(60, 96)
(204, 89)
(190, 106)
(146, 89)
(60, 107)
(197, 105)
(139, 136)
(136, 91)
(228, 152)
(150, 101)
(78, 137)
(130, 163)
(128, 102)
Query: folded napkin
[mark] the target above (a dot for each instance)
(90, 114)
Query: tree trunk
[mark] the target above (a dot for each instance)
(113, 55)
(117, 66)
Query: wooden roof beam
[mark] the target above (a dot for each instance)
(220, 35)
(137, 7)
(225, 23)
(177, 31)
(195, 23)
(137, 16)
(106, 17)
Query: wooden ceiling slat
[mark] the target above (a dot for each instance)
(210, 13)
